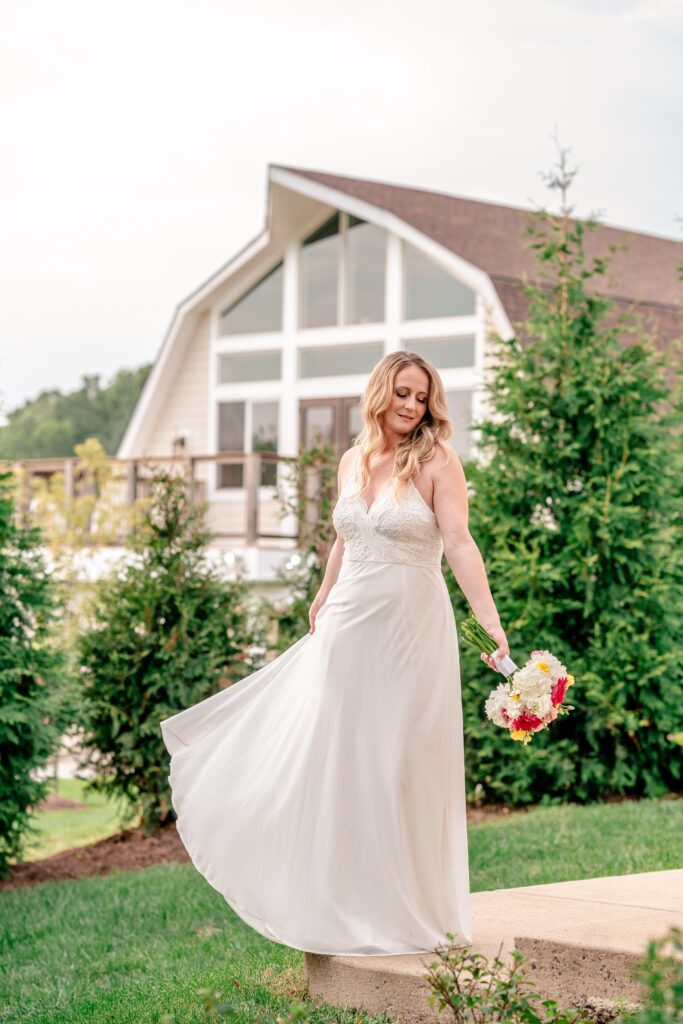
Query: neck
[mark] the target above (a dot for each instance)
(391, 441)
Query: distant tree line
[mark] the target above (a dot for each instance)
(54, 422)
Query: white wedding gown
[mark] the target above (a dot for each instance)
(323, 795)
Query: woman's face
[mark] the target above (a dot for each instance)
(408, 400)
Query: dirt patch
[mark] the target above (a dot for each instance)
(53, 802)
(130, 850)
(492, 812)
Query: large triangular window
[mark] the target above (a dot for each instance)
(430, 291)
(259, 310)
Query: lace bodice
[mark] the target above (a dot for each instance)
(390, 531)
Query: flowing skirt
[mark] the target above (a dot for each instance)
(323, 795)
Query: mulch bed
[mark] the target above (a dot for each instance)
(132, 850)
(129, 850)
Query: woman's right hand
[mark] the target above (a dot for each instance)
(318, 602)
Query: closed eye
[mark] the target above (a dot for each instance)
(423, 400)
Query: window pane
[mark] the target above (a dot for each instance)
(445, 352)
(230, 439)
(365, 272)
(337, 360)
(257, 311)
(460, 408)
(318, 425)
(319, 272)
(244, 366)
(264, 437)
(429, 290)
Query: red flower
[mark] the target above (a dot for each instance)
(527, 722)
(558, 691)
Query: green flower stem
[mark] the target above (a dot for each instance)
(472, 631)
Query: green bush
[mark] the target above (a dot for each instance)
(576, 507)
(310, 494)
(661, 972)
(163, 633)
(478, 991)
(29, 667)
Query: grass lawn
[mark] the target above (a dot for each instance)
(65, 828)
(130, 947)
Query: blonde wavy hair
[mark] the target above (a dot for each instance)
(419, 446)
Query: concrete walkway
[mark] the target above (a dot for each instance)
(581, 941)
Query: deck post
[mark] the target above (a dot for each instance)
(131, 481)
(253, 479)
(70, 478)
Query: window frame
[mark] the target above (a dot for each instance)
(235, 493)
(221, 312)
(342, 277)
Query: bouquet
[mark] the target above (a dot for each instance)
(532, 696)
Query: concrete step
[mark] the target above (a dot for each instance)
(581, 940)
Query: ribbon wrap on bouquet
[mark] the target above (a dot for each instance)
(505, 665)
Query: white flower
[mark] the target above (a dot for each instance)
(530, 682)
(553, 666)
(541, 706)
(497, 701)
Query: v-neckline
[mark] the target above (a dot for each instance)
(369, 508)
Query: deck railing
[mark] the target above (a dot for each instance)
(250, 513)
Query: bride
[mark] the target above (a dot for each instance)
(324, 795)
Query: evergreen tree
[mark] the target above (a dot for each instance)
(163, 633)
(29, 663)
(576, 507)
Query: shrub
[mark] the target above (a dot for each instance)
(661, 972)
(310, 495)
(29, 666)
(163, 633)
(577, 510)
(477, 991)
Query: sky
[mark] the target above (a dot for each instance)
(137, 135)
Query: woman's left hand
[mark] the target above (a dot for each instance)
(501, 651)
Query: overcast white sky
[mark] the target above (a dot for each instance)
(136, 137)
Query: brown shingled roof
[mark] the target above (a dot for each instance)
(491, 237)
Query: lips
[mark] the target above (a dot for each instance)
(408, 418)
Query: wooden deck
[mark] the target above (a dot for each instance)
(248, 509)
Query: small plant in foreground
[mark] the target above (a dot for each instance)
(211, 1006)
(496, 992)
(661, 972)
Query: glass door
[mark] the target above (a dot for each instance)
(335, 421)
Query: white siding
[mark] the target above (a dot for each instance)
(185, 407)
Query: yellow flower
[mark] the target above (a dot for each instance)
(570, 680)
(544, 667)
(516, 696)
(518, 734)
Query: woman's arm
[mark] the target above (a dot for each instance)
(462, 554)
(334, 559)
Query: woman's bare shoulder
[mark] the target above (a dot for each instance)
(446, 464)
(444, 456)
(345, 464)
